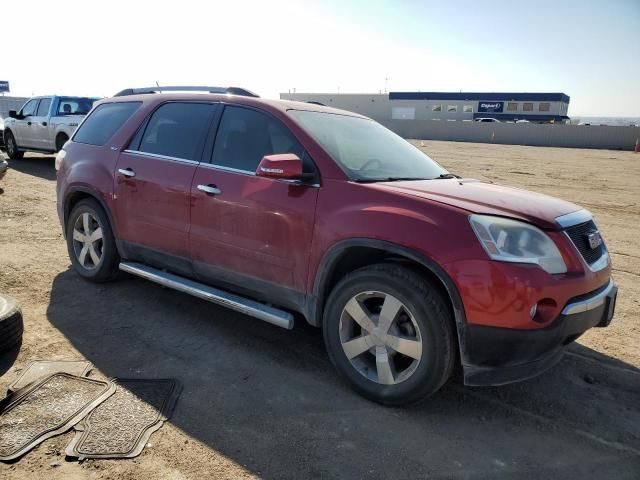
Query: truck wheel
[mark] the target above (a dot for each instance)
(90, 242)
(11, 326)
(12, 147)
(60, 141)
(390, 333)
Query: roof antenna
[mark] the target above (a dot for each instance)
(157, 84)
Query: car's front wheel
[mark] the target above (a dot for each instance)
(390, 333)
(90, 242)
(12, 147)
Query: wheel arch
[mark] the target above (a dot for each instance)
(60, 133)
(78, 193)
(348, 255)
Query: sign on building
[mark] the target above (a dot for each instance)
(4, 85)
(492, 107)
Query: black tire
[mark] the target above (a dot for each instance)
(429, 312)
(107, 267)
(11, 147)
(61, 139)
(11, 325)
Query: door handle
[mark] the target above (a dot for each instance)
(44, 124)
(209, 189)
(28, 123)
(127, 172)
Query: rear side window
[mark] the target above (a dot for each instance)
(104, 121)
(245, 136)
(178, 130)
(43, 108)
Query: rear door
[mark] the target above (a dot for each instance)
(40, 126)
(255, 232)
(153, 180)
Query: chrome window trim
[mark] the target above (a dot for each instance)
(590, 303)
(249, 173)
(229, 169)
(161, 157)
(574, 218)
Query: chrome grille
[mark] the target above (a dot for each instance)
(579, 235)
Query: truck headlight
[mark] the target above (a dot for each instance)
(509, 240)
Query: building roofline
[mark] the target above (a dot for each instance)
(487, 96)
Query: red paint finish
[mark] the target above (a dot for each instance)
(285, 165)
(153, 208)
(259, 227)
(270, 230)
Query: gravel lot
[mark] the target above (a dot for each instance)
(259, 401)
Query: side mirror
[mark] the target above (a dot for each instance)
(13, 114)
(286, 166)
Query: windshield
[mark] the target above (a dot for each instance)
(75, 105)
(366, 150)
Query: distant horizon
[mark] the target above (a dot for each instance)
(570, 114)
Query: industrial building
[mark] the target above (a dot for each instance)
(447, 106)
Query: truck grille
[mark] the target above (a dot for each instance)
(579, 236)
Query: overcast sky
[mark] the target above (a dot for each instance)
(587, 49)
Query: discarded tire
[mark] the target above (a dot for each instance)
(10, 323)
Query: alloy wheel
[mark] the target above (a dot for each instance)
(380, 337)
(87, 240)
(10, 145)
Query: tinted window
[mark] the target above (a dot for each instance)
(74, 105)
(104, 121)
(29, 108)
(43, 108)
(177, 130)
(245, 136)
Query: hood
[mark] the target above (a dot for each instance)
(487, 198)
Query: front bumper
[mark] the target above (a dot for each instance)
(496, 356)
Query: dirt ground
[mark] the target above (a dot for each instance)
(259, 401)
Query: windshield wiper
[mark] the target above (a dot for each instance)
(389, 179)
(446, 175)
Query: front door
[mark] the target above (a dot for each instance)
(250, 231)
(24, 136)
(153, 181)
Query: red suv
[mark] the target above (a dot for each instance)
(275, 208)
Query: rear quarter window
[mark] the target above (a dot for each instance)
(104, 121)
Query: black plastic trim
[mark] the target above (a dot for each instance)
(330, 260)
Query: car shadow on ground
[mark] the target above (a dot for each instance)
(8, 358)
(270, 400)
(42, 166)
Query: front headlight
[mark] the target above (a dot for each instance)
(509, 240)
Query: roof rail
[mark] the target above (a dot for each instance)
(225, 90)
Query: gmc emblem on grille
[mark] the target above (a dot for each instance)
(595, 240)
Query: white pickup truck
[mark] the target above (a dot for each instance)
(43, 124)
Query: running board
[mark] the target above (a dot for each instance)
(234, 302)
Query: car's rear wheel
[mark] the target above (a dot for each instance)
(390, 333)
(12, 147)
(61, 139)
(90, 242)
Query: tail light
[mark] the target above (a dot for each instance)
(60, 158)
